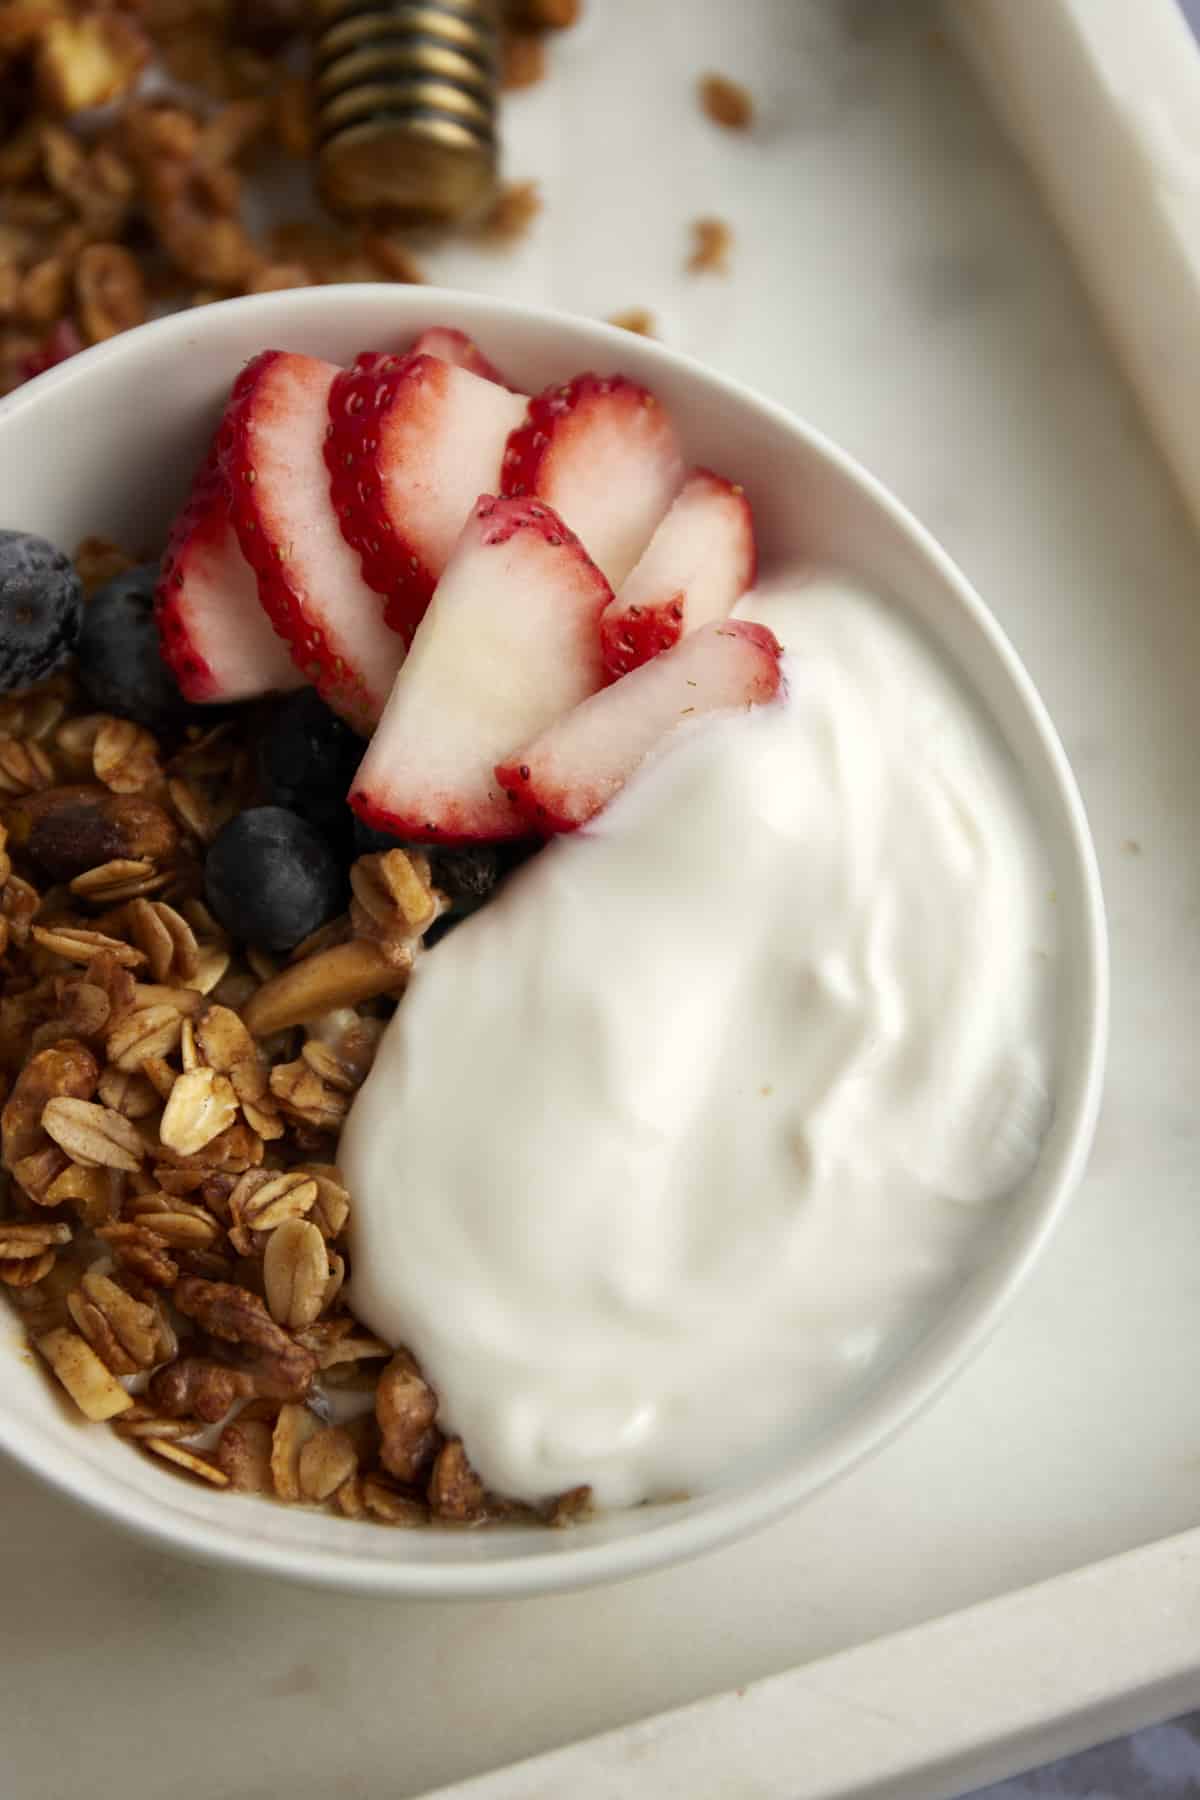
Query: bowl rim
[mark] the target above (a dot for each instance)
(948, 1347)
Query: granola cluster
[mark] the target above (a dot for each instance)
(173, 1226)
(128, 132)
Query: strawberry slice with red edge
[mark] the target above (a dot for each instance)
(272, 454)
(511, 641)
(413, 441)
(214, 636)
(564, 777)
(695, 568)
(604, 454)
(456, 347)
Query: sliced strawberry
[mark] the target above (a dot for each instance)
(216, 639)
(563, 778)
(510, 642)
(413, 442)
(604, 455)
(695, 568)
(272, 444)
(457, 348)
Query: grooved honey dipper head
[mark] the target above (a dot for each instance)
(405, 97)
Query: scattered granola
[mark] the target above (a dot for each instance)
(725, 103)
(512, 213)
(712, 240)
(636, 319)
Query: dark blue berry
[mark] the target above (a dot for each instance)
(40, 604)
(271, 879)
(119, 661)
(307, 759)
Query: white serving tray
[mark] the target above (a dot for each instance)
(898, 283)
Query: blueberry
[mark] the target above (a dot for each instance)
(40, 604)
(271, 879)
(119, 662)
(307, 759)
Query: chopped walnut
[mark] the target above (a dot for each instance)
(406, 1407)
(512, 214)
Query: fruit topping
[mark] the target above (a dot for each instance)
(562, 778)
(272, 453)
(413, 442)
(307, 759)
(510, 641)
(40, 604)
(604, 454)
(272, 879)
(457, 348)
(695, 568)
(217, 640)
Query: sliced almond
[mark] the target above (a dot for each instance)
(202, 1105)
(343, 976)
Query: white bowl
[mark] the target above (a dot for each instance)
(106, 444)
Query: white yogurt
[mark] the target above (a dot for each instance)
(682, 1135)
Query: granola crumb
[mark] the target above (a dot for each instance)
(513, 213)
(726, 103)
(712, 240)
(636, 319)
(523, 61)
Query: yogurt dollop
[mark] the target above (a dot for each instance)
(684, 1134)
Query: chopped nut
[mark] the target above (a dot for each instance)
(142, 1252)
(328, 1459)
(202, 1105)
(294, 1427)
(711, 242)
(94, 1391)
(187, 1460)
(344, 976)
(125, 756)
(36, 1173)
(282, 1368)
(387, 1504)
(405, 1407)
(93, 1134)
(92, 1192)
(726, 103)
(295, 1274)
(69, 830)
(67, 1071)
(18, 1241)
(244, 1453)
(195, 1386)
(26, 1271)
(455, 1490)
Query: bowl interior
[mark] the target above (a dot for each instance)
(107, 444)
